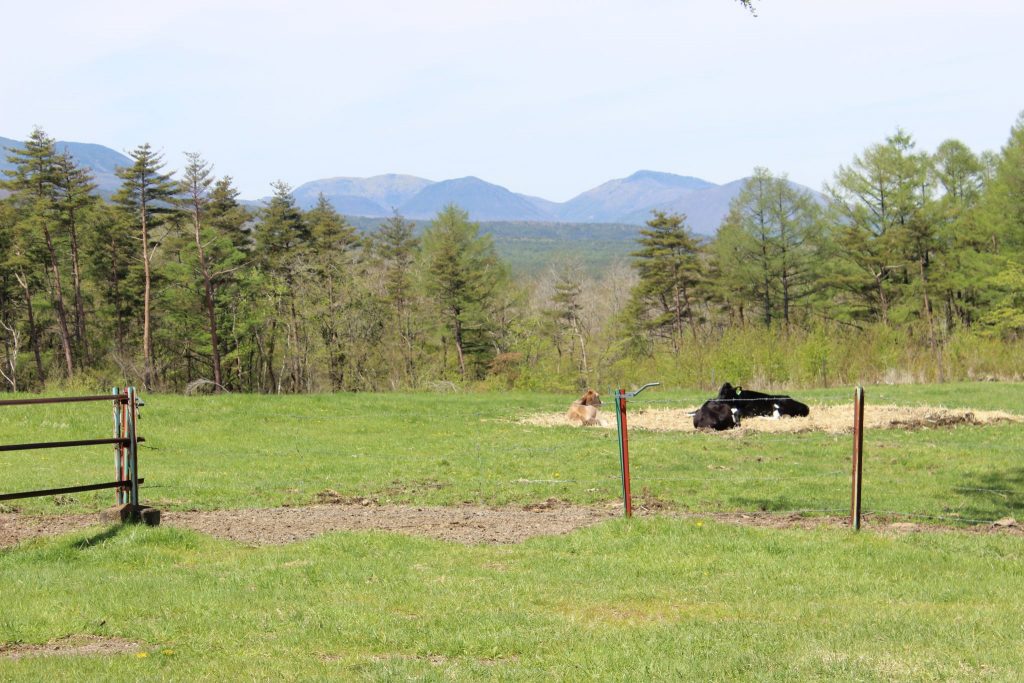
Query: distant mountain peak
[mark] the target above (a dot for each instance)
(670, 179)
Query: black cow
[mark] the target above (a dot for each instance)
(717, 415)
(754, 403)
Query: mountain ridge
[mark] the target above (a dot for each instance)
(623, 201)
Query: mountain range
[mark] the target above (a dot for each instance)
(623, 201)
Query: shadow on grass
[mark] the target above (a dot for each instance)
(770, 504)
(993, 494)
(98, 537)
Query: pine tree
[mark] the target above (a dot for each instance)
(109, 257)
(877, 227)
(395, 247)
(567, 310)
(227, 217)
(146, 195)
(75, 199)
(463, 274)
(668, 264)
(282, 244)
(195, 186)
(283, 234)
(1003, 207)
(33, 181)
(766, 248)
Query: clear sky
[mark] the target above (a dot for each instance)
(545, 97)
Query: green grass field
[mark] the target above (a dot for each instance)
(654, 598)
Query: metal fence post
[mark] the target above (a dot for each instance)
(118, 448)
(620, 422)
(133, 446)
(858, 457)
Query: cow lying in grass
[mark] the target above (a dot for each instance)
(735, 403)
(584, 409)
(755, 404)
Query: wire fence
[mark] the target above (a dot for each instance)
(500, 463)
(790, 478)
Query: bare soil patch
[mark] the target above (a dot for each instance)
(463, 524)
(466, 524)
(15, 528)
(78, 644)
(834, 419)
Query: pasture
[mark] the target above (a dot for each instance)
(675, 593)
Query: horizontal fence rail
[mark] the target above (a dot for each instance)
(123, 398)
(66, 444)
(125, 441)
(65, 489)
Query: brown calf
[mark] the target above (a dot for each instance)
(584, 409)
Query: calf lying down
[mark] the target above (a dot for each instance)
(716, 415)
(584, 409)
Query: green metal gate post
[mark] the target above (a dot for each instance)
(133, 446)
(118, 447)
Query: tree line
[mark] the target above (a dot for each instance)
(176, 285)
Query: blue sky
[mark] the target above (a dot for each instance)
(545, 97)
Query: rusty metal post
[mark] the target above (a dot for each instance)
(620, 421)
(858, 457)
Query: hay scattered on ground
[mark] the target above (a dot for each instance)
(836, 419)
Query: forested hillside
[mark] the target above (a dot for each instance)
(912, 269)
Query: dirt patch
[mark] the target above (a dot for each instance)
(462, 524)
(836, 419)
(73, 645)
(15, 528)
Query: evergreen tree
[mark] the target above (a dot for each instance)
(966, 255)
(227, 217)
(195, 186)
(282, 243)
(10, 296)
(877, 224)
(767, 249)
(75, 199)
(1003, 208)
(463, 274)
(567, 313)
(33, 182)
(395, 247)
(669, 266)
(146, 195)
(110, 255)
(283, 234)
(228, 244)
